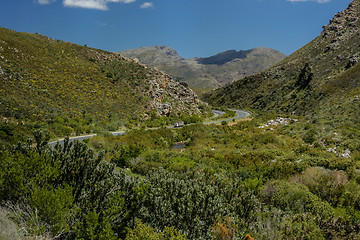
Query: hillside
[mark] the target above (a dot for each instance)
(51, 81)
(210, 72)
(323, 73)
(273, 175)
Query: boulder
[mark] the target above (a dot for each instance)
(163, 109)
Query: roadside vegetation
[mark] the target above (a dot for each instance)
(278, 181)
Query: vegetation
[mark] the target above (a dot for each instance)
(72, 90)
(227, 181)
(274, 176)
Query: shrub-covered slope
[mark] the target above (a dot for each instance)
(325, 70)
(43, 79)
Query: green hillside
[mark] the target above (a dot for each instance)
(211, 72)
(73, 87)
(273, 175)
(324, 71)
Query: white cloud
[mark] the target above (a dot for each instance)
(147, 5)
(92, 4)
(44, 2)
(319, 1)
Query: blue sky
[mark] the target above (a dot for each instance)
(195, 28)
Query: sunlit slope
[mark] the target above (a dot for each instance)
(325, 70)
(42, 78)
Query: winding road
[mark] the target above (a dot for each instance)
(239, 114)
(217, 113)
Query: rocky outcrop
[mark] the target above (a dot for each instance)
(279, 121)
(352, 61)
(169, 96)
(163, 109)
(342, 26)
(166, 96)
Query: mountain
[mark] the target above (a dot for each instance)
(210, 72)
(46, 80)
(323, 74)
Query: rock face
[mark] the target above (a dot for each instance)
(167, 95)
(210, 72)
(342, 26)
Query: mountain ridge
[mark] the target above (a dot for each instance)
(210, 72)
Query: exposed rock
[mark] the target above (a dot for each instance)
(184, 84)
(332, 150)
(346, 154)
(352, 61)
(343, 25)
(179, 98)
(163, 109)
(279, 121)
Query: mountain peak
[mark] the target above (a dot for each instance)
(230, 55)
(210, 72)
(156, 55)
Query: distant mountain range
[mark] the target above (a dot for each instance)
(211, 72)
(323, 76)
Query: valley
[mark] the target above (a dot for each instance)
(99, 145)
(217, 114)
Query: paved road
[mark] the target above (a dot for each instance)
(217, 113)
(79, 138)
(239, 114)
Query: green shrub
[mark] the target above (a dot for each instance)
(294, 197)
(310, 136)
(143, 231)
(54, 207)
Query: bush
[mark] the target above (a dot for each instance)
(310, 136)
(192, 204)
(54, 207)
(294, 197)
(142, 232)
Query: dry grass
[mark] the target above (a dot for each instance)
(8, 229)
(20, 222)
